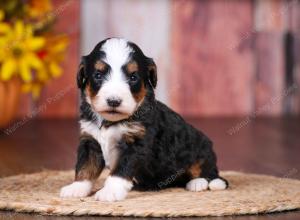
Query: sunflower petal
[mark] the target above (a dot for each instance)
(55, 69)
(7, 69)
(19, 29)
(42, 75)
(28, 31)
(25, 71)
(34, 61)
(60, 45)
(35, 43)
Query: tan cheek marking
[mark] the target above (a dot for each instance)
(132, 67)
(100, 66)
(89, 92)
(141, 94)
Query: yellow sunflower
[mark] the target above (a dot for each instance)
(18, 48)
(28, 49)
(52, 54)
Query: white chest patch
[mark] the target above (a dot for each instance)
(108, 138)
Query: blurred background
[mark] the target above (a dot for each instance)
(230, 67)
(214, 58)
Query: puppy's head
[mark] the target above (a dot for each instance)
(115, 78)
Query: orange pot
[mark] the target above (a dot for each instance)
(10, 92)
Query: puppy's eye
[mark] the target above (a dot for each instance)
(133, 77)
(98, 75)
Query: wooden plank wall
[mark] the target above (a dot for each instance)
(229, 57)
(277, 87)
(269, 29)
(215, 57)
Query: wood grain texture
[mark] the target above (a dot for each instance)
(60, 96)
(270, 82)
(270, 24)
(212, 57)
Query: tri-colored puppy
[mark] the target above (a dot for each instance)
(145, 144)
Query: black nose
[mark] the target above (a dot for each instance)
(113, 102)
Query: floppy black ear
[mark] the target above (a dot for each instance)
(81, 74)
(152, 73)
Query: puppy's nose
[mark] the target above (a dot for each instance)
(113, 102)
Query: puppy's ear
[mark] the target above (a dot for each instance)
(152, 73)
(81, 74)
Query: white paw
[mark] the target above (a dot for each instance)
(217, 184)
(115, 189)
(76, 189)
(196, 185)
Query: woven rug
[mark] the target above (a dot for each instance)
(248, 194)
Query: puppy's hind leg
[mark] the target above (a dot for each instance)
(207, 178)
(204, 172)
(89, 165)
(197, 183)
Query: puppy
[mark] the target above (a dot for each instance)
(145, 144)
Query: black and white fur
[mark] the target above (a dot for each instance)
(145, 144)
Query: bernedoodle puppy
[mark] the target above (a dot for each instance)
(145, 144)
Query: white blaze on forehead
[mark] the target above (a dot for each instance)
(117, 52)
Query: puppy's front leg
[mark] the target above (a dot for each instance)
(119, 182)
(89, 165)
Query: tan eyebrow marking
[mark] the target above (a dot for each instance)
(132, 67)
(99, 65)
